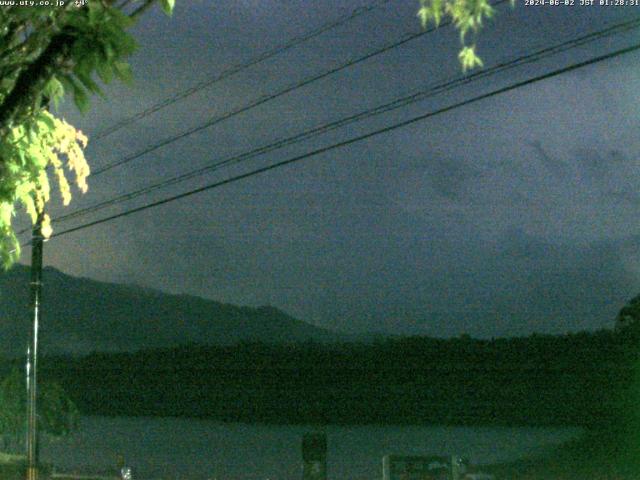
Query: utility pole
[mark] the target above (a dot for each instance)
(32, 350)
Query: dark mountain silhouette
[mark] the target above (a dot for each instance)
(82, 315)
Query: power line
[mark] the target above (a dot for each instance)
(240, 67)
(359, 138)
(395, 104)
(266, 98)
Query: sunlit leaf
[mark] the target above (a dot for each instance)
(467, 16)
(469, 59)
(167, 6)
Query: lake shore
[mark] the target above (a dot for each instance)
(596, 455)
(196, 449)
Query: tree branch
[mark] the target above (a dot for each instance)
(33, 78)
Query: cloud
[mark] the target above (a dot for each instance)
(555, 166)
(510, 215)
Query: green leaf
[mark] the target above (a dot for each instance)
(80, 97)
(54, 90)
(119, 41)
(123, 71)
(97, 13)
(105, 72)
(167, 6)
(436, 11)
(469, 59)
(21, 157)
(430, 10)
(119, 19)
(423, 15)
(89, 84)
(45, 124)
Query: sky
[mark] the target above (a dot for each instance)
(511, 215)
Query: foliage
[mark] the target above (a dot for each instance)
(576, 379)
(466, 15)
(25, 155)
(45, 52)
(628, 318)
(57, 416)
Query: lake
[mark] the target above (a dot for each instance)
(190, 449)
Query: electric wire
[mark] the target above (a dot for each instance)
(272, 96)
(393, 105)
(356, 139)
(231, 71)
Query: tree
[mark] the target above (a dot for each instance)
(628, 317)
(58, 415)
(45, 52)
(467, 16)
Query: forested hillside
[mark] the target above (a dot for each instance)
(577, 379)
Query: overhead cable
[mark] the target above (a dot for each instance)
(269, 97)
(355, 139)
(368, 113)
(229, 72)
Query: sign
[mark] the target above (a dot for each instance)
(404, 467)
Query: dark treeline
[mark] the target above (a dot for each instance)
(576, 379)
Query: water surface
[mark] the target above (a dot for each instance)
(190, 449)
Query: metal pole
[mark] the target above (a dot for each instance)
(32, 351)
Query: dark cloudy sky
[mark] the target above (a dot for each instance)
(511, 215)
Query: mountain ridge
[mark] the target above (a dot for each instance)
(82, 315)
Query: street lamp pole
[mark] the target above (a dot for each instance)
(32, 350)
